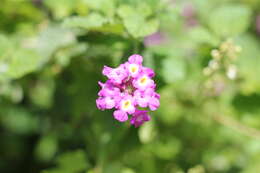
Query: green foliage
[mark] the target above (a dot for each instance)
(136, 20)
(51, 57)
(91, 21)
(70, 162)
(174, 69)
(230, 20)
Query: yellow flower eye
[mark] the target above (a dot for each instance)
(143, 80)
(126, 104)
(133, 69)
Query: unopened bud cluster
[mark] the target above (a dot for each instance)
(222, 66)
(223, 60)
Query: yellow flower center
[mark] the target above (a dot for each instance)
(133, 68)
(143, 80)
(126, 104)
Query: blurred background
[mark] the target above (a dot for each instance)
(206, 55)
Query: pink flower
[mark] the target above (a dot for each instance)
(143, 82)
(258, 24)
(120, 116)
(135, 59)
(116, 75)
(108, 89)
(129, 87)
(148, 71)
(106, 103)
(147, 98)
(133, 69)
(127, 104)
(154, 39)
(142, 99)
(139, 117)
(154, 102)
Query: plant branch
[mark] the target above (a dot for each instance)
(241, 128)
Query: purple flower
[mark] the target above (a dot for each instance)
(129, 87)
(139, 117)
(258, 24)
(120, 116)
(143, 82)
(189, 14)
(188, 10)
(135, 59)
(116, 75)
(154, 39)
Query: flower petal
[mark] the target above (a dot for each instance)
(135, 59)
(120, 116)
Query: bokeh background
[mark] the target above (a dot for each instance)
(206, 55)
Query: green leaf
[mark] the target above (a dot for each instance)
(136, 21)
(170, 110)
(112, 167)
(20, 55)
(63, 57)
(173, 69)
(138, 27)
(5, 45)
(229, 21)
(248, 64)
(167, 148)
(41, 93)
(18, 120)
(202, 35)
(23, 62)
(53, 38)
(70, 162)
(73, 161)
(15, 60)
(106, 6)
(60, 8)
(46, 147)
(147, 132)
(94, 20)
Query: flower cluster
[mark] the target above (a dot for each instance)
(221, 67)
(223, 60)
(129, 89)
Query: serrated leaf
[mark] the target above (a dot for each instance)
(23, 62)
(52, 39)
(138, 27)
(93, 20)
(137, 23)
(229, 21)
(60, 8)
(202, 35)
(125, 11)
(106, 6)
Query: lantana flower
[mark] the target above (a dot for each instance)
(130, 90)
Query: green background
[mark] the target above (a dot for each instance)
(51, 56)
